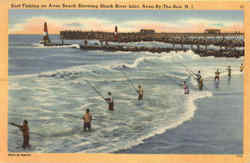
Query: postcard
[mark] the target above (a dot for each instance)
(116, 81)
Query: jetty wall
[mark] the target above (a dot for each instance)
(219, 39)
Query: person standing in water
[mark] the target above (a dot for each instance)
(199, 79)
(217, 75)
(241, 68)
(87, 118)
(140, 92)
(229, 70)
(110, 101)
(201, 84)
(186, 89)
(25, 131)
(198, 75)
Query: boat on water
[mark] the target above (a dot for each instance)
(46, 40)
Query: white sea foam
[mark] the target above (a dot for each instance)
(191, 108)
(36, 45)
(60, 97)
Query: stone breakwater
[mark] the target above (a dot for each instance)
(189, 41)
(220, 39)
(203, 52)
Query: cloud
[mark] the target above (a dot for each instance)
(217, 25)
(34, 25)
(75, 24)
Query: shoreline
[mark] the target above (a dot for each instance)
(211, 131)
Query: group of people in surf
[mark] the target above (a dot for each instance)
(199, 78)
(87, 117)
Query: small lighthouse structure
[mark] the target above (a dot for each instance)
(45, 39)
(116, 33)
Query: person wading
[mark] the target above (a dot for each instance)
(199, 79)
(87, 118)
(217, 75)
(229, 71)
(200, 84)
(241, 68)
(186, 89)
(198, 75)
(110, 101)
(140, 92)
(25, 131)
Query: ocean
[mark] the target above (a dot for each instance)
(48, 87)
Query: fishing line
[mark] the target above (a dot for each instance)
(17, 138)
(95, 89)
(131, 83)
(186, 68)
(191, 73)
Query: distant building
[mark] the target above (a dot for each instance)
(212, 31)
(116, 33)
(147, 31)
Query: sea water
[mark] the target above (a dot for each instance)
(49, 87)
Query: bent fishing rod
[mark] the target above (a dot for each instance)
(187, 69)
(190, 72)
(95, 89)
(131, 83)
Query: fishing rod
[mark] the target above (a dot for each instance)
(191, 72)
(187, 69)
(17, 133)
(74, 116)
(17, 138)
(95, 89)
(13, 124)
(131, 83)
(19, 126)
(175, 80)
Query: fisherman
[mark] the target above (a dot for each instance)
(198, 75)
(217, 75)
(25, 131)
(140, 93)
(186, 89)
(110, 101)
(87, 118)
(241, 68)
(200, 84)
(199, 79)
(229, 70)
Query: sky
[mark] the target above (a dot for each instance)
(31, 21)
